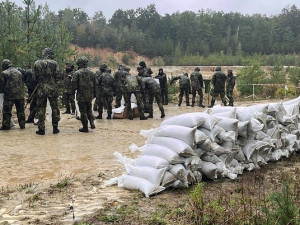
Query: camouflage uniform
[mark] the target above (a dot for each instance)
(12, 84)
(102, 69)
(32, 99)
(154, 92)
(134, 85)
(46, 74)
(218, 82)
(185, 88)
(147, 70)
(197, 85)
(69, 93)
(119, 78)
(163, 82)
(84, 81)
(230, 83)
(145, 94)
(107, 89)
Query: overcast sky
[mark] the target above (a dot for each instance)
(108, 7)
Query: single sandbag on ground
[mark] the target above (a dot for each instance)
(209, 170)
(179, 172)
(168, 179)
(138, 183)
(152, 161)
(178, 146)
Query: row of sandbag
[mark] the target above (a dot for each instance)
(224, 142)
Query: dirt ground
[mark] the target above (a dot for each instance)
(59, 179)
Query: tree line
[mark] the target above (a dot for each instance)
(185, 38)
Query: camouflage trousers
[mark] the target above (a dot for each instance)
(230, 96)
(41, 111)
(145, 97)
(216, 94)
(194, 93)
(184, 91)
(86, 112)
(7, 108)
(119, 94)
(69, 99)
(139, 99)
(105, 100)
(157, 96)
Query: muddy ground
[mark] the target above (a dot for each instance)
(59, 179)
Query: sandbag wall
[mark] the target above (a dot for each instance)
(220, 142)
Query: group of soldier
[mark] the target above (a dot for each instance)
(44, 80)
(195, 84)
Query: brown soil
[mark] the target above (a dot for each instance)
(42, 176)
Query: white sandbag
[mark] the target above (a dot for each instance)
(123, 159)
(199, 137)
(179, 172)
(228, 145)
(224, 172)
(270, 119)
(168, 179)
(244, 113)
(292, 109)
(251, 148)
(49, 111)
(276, 155)
(209, 170)
(240, 156)
(206, 145)
(210, 157)
(259, 135)
(180, 184)
(153, 175)
(209, 121)
(256, 125)
(77, 111)
(285, 153)
(226, 158)
(178, 146)
(225, 136)
(198, 176)
(191, 177)
(249, 166)
(199, 151)
(263, 108)
(228, 124)
(163, 152)
(138, 183)
(293, 101)
(220, 109)
(211, 134)
(275, 107)
(112, 181)
(228, 114)
(236, 167)
(182, 133)
(193, 163)
(188, 120)
(243, 128)
(152, 161)
(217, 149)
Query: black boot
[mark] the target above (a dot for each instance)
(211, 104)
(99, 116)
(108, 116)
(92, 123)
(4, 128)
(143, 118)
(193, 103)
(150, 115)
(201, 105)
(162, 114)
(30, 120)
(40, 132)
(84, 129)
(67, 112)
(180, 101)
(55, 129)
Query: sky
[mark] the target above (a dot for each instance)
(108, 7)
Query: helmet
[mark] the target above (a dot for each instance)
(82, 62)
(5, 64)
(197, 69)
(229, 71)
(126, 68)
(186, 74)
(121, 67)
(218, 68)
(21, 70)
(103, 67)
(142, 64)
(47, 53)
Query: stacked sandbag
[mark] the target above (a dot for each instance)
(220, 142)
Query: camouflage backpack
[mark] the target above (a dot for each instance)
(131, 83)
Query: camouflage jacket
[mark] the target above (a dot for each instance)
(144, 74)
(196, 80)
(151, 85)
(107, 83)
(119, 78)
(163, 81)
(230, 82)
(184, 81)
(46, 73)
(133, 83)
(148, 71)
(11, 82)
(218, 81)
(84, 81)
(29, 80)
(67, 83)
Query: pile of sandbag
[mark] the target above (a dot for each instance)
(220, 142)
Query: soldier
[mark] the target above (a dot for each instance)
(119, 78)
(163, 82)
(134, 85)
(107, 87)
(84, 81)
(185, 87)
(145, 94)
(147, 70)
(154, 92)
(69, 94)
(31, 85)
(230, 83)
(197, 85)
(102, 69)
(46, 75)
(218, 83)
(12, 84)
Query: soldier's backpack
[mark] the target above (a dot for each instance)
(131, 83)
